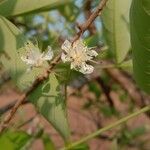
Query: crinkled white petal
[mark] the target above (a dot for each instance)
(78, 55)
(28, 61)
(65, 57)
(79, 44)
(86, 69)
(66, 46)
(92, 53)
(49, 55)
(33, 57)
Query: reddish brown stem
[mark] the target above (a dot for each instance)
(40, 79)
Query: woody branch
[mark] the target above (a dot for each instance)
(82, 28)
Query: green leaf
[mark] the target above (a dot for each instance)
(94, 87)
(48, 143)
(51, 107)
(108, 111)
(11, 140)
(138, 132)
(50, 103)
(19, 7)
(69, 11)
(127, 65)
(146, 5)
(11, 40)
(127, 136)
(64, 74)
(140, 40)
(92, 40)
(81, 147)
(1, 1)
(115, 22)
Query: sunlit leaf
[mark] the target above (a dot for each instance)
(11, 40)
(115, 19)
(18, 7)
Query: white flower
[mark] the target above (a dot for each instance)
(33, 56)
(78, 54)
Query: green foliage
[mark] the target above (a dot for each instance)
(11, 40)
(108, 111)
(11, 140)
(115, 23)
(80, 147)
(50, 103)
(127, 65)
(47, 97)
(64, 74)
(140, 39)
(15, 7)
(127, 136)
(92, 40)
(69, 11)
(48, 144)
(1, 1)
(94, 87)
(9, 34)
(51, 107)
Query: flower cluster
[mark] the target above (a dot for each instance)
(77, 54)
(33, 56)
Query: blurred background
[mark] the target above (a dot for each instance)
(93, 101)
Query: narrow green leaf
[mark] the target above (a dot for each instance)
(140, 40)
(50, 103)
(115, 18)
(18, 7)
(11, 140)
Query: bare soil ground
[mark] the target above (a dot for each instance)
(82, 122)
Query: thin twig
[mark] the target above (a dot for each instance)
(8, 107)
(83, 27)
(23, 97)
(88, 12)
(39, 80)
